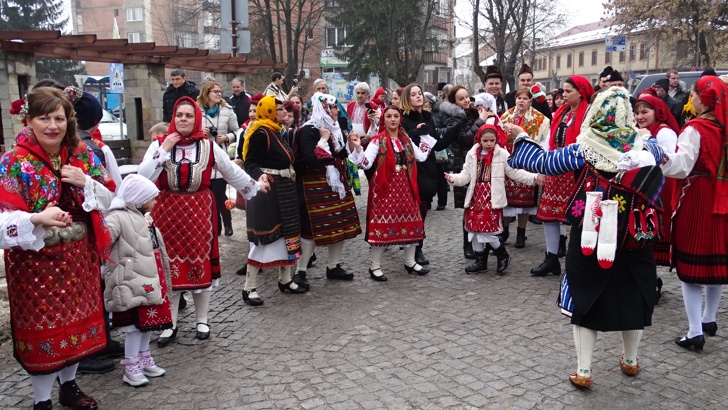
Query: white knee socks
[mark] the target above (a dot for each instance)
(630, 343)
(712, 300)
(375, 256)
(175, 312)
(202, 305)
(584, 340)
(478, 246)
(335, 250)
(552, 233)
(409, 255)
(693, 300)
(144, 345)
(42, 386)
(132, 343)
(251, 278)
(307, 247)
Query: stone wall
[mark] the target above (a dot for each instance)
(146, 82)
(12, 65)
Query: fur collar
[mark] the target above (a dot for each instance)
(451, 110)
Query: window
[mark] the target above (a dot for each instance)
(134, 37)
(607, 58)
(332, 3)
(558, 61)
(643, 52)
(621, 56)
(632, 52)
(568, 60)
(309, 34)
(581, 59)
(594, 57)
(335, 37)
(187, 40)
(134, 14)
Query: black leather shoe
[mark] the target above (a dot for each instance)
(710, 328)
(252, 301)
(311, 261)
(503, 260)
(229, 230)
(113, 350)
(534, 220)
(70, 395)
(550, 265)
(338, 273)
(287, 287)
(413, 269)
(696, 342)
(43, 405)
(301, 281)
(242, 271)
(203, 335)
(95, 365)
(378, 278)
(520, 238)
(182, 302)
(164, 341)
(420, 257)
(440, 208)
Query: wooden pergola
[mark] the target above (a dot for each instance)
(87, 47)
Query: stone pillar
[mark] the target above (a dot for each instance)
(144, 82)
(13, 65)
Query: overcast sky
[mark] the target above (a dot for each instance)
(581, 12)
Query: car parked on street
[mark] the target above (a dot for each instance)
(109, 127)
(688, 78)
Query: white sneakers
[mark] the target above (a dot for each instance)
(137, 369)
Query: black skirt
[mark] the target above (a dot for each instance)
(622, 297)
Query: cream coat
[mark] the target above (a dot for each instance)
(131, 274)
(499, 169)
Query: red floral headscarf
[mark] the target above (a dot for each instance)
(197, 133)
(662, 114)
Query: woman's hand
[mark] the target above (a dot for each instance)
(221, 139)
(52, 216)
(644, 132)
(354, 142)
(264, 184)
(206, 130)
(483, 113)
(73, 175)
(449, 178)
(540, 180)
(171, 140)
(325, 134)
(513, 130)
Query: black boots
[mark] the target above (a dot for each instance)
(520, 238)
(550, 265)
(300, 279)
(562, 246)
(481, 263)
(420, 257)
(503, 259)
(467, 246)
(503, 237)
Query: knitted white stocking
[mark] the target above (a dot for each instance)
(607, 243)
(589, 233)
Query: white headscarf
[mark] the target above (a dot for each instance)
(321, 118)
(135, 189)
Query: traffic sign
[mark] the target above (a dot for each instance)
(615, 44)
(116, 78)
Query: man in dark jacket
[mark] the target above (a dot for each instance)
(662, 86)
(179, 88)
(525, 79)
(240, 100)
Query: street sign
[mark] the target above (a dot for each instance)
(615, 44)
(116, 78)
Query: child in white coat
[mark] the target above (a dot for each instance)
(484, 172)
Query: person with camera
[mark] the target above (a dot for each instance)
(219, 124)
(274, 88)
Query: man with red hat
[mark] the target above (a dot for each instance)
(525, 79)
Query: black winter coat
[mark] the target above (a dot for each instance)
(171, 95)
(240, 105)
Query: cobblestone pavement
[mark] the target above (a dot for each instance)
(445, 340)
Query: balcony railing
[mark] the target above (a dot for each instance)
(436, 57)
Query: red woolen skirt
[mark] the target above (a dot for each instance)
(555, 198)
(394, 217)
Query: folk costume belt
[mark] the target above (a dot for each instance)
(399, 168)
(285, 173)
(54, 235)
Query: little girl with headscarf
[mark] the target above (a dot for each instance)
(137, 276)
(484, 172)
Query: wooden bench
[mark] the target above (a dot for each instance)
(121, 150)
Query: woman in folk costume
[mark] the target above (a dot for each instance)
(273, 219)
(522, 198)
(393, 214)
(652, 114)
(53, 272)
(137, 276)
(565, 125)
(700, 222)
(181, 163)
(612, 283)
(328, 212)
(484, 173)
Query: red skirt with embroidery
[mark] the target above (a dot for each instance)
(557, 192)
(152, 317)
(55, 305)
(520, 195)
(394, 218)
(190, 234)
(480, 217)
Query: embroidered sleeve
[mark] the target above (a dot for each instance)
(234, 175)
(96, 196)
(365, 158)
(153, 162)
(322, 150)
(426, 144)
(679, 164)
(529, 155)
(17, 230)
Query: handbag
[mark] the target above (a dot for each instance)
(441, 156)
(564, 300)
(637, 193)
